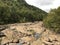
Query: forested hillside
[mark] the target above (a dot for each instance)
(15, 11)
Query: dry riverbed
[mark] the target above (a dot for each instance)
(29, 34)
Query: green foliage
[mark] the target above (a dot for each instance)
(53, 20)
(14, 11)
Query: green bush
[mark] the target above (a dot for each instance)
(52, 21)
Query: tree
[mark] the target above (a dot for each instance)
(52, 21)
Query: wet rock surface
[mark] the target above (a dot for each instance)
(29, 34)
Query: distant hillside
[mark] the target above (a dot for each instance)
(13, 11)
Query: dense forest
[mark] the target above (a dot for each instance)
(15, 11)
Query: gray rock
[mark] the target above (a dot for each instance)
(19, 44)
(36, 35)
(12, 43)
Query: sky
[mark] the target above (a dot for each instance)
(45, 5)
